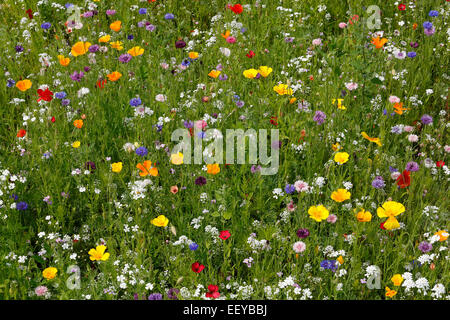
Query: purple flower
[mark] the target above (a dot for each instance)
(89, 165)
(130, 37)
(172, 293)
(302, 233)
(329, 264)
(378, 182)
(240, 103)
(200, 181)
(60, 95)
(255, 169)
(392, 169)
(425, 246)
(65, 102)
(142, 151)
(155, 296)
(94, 48)
(188, 124)
(426, 119)
(412, 166)
(180, 44)
(429, 32)
(77, 76)
(19, 48)
(223, 77)
(143, 11)
(414, 44)
(411, 54)
(150, 27)
(124, 58)
(110, 12)
(10, 83)
(22, 206)
(319, 117)
(289, 188)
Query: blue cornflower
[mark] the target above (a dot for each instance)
(289, 188)
(240, 103)
(392, 169)
(185, 62)
(427, 25)
(135, 102)
(433, 13)
(60, 95)
(169, 16)
(130, 37)
(10, 83)
(193, 246)
(65, 102)
(143, 11)
(142, 151)
(46, 25)
(411, 54)
(22, 206)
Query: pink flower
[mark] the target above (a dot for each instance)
(342, 25)
(351, 86)
(394, 99)
(413, 138)
(160, 98)
(317, 42)
(299, 246)
(395, 175)
(301, 186)
(408, 129)
(291, 207)
(41, 290)
(231, 39)
(200, 124)
(331, 218)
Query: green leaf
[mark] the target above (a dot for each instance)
(227, 215)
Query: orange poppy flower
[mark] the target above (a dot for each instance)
(213, 168)
(63, 61)
(114, 76)
(399, 108)
(23, 85)
(116, 25)
(226, 35)
(214, 74)
(379, 43)
(78, 124)
(147, 169)
(375, 140)
(80, 48)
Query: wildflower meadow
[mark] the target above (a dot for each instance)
(208, 150)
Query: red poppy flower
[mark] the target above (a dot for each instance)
(250, 54)
(53, 119)
(213, 291)
(224, 235)
(197, 267)
(45, 95)
(401, 7)
(382, 226)
(101, 83)
(440, 164)
(30, 13)
(237, 8)
(404, 180)
(273, 120)
(21, 133)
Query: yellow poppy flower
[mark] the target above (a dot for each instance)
(116, 167)
(397, 279)
(176, 158)
(98, 254)
(160, 221)
(250, 73)
(364, 216)
(340, 195)
(282, 89)
(341, 157)
(105, 38)
(49, 273)
(390, 293)
(76, 144)
(264, 71)
(339, 103)
(136, 51)
(117, 45)
(318, 213)
(375, 140)
(389, 210)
